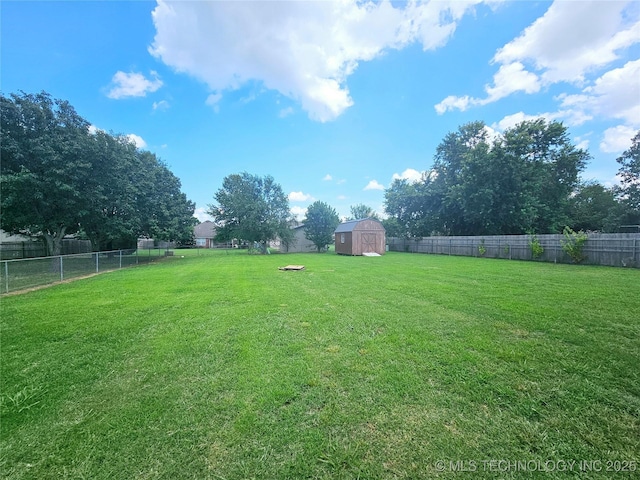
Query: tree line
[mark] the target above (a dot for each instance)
(59, 177)
(526, 180)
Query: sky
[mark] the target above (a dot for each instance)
(333, 99)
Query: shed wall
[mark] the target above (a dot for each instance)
(346, 247)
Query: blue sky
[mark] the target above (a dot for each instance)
(333, 99)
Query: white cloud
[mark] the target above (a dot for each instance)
(285, 112)
(455, 103)
(342, 197)
(413, 176)
(161, 105)
(300, 197)
(511, 121)
(492, 134)
(202, 215)
(574, 38)
(304, 50)
(582, 143)
(374, 185)
(616, 94)
(298, 212)
(212, 101)
(327, 178)
(509, 79)
(139, 142)
(617, 139)
(571, 117)
(125, 85)
(569, 42)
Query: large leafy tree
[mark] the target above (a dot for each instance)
(46, 173)
(629, 173)
(251, 208)
(550, 166)
(58, 178)
(320, 223)
(114, 218)
(412, 208)
(518, 183)
(595, 208)
(166, 213)
(361, 211)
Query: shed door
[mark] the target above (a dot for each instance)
(368, 242)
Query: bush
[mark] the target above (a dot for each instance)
(536, 247)
(482, 250)
(573, 244)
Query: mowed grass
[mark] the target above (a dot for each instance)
(224, 367)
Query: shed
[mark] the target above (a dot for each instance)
(360, 236)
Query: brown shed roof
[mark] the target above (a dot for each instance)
(352, 225)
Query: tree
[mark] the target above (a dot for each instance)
(166, 213)
(320, 223)
(518, 183)
(629, 190)
(595, 208)
(114, 216)
(58, 178)
(412, 208)
(251, 208)
(361, 211)
(550, 166)
(46, 174)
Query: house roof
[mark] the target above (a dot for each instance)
(205, 229)
(351, 225)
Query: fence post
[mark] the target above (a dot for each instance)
(6, 275)
(120, 258)
(61, 269)
(97, 262)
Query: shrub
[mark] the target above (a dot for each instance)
(481, 248)
(536, 247)
(573, 244)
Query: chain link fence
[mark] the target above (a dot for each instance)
(16, 275)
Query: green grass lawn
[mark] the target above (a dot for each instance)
(221, 366)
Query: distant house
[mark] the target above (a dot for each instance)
(357, 237)
(299, 244)
(204, 234)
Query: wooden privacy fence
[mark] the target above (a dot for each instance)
(613, 249)
(33, 249)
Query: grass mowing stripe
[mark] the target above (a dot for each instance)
(222, 366)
